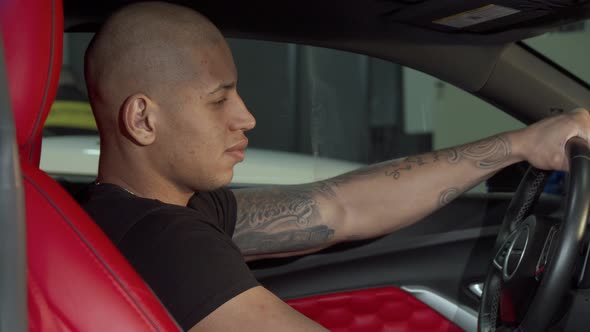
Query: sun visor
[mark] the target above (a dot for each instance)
(480, 16)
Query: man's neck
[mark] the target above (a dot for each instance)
(141, 181)
(164, 193)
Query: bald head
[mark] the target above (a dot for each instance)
(145, 48)
(162, 85)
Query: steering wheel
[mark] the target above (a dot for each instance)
(534, 256)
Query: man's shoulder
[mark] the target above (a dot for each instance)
(174, 218)
(118, 213)
(219, 206)
(192, 265)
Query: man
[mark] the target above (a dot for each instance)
(162, 84)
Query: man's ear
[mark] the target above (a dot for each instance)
(138, 116)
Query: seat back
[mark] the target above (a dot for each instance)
(76, 279)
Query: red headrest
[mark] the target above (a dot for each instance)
(32, 32)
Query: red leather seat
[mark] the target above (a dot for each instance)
(77, 280)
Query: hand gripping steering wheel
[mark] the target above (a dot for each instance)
(534, 256)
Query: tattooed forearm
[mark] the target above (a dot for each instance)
(278, 220)
(487, 153)
(448, 195)
(417, 160)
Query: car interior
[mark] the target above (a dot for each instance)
(59, 272)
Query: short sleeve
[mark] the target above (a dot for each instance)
(220, 205)
(192, 266)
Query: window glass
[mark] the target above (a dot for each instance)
(320, 112)
(567, 46)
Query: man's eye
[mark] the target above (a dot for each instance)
(220, 101)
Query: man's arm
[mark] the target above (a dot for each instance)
(256, 310)
(376, 200)
(291, 220)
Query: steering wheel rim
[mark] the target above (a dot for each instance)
(552, 247)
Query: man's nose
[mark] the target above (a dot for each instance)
(243, 120)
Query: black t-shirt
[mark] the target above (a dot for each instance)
(185, 255)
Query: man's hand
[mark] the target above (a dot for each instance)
(379, 199)
(543, 143)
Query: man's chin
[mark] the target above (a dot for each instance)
(229, 178)
(221, 181)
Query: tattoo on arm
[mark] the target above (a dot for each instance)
(279, 221)
(487, 153)
(448, 195)
(288, 219)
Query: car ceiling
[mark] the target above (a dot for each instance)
(390, 19)
(408, 32)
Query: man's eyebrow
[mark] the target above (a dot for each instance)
(223, 86)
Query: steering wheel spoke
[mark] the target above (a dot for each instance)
(548, 246)
(501, 255)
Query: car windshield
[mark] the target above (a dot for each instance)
(567, 47)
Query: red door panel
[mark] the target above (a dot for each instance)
(386, 309)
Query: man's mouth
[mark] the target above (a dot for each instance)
(238, 150)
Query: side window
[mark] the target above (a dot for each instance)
(567, 47)
(453, 116)
(320, 112)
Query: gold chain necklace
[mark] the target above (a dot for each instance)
(100, 183)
